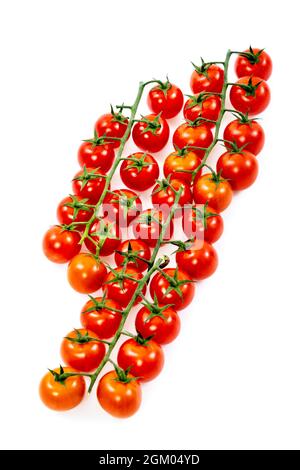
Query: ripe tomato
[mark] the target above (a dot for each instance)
(139, 171)
(207, 78)
(199, 261)
(181, 164)
(151, 133)
(85, 273)
(163, 195)
(165, 98)
(202, 223)
(173, 287)
(131, 253)
(148, 226)
(120, 398)
(187, 135)
(254, 62)
(120, 288)
(81, 352)
(89, 183)
(162, 324)
(62, 395)
(144, 358)
(93, 155)
(212, 189)
(246, 133)
(104, 237)
(204, 105)
(74, 209)
(112, 125)
(122, 206)
(60, 245)
(102, 316)
(251, 95)
(239, 168)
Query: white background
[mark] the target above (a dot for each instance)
(231, 380)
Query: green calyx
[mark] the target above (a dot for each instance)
(96, 140)
(81, 338)
(174, 282)
(122, 374)
(251, 56)
(88, 175)
(249, 88)
(202, 216)
(138, 163)
(151, 125)
(117, 115)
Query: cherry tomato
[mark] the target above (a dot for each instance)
(166, 288)
(254, 62)
(99, 156)
(181, 164)
(199, 261)
(204, 105)
(85, 273)
(188, 135)
(81, 352)
(61, 245)
(133, 252)
(207, 78)
(120, 288)
(119, 398)
(148, 225)
(62, 395)
(102, 316)
(245, 133)
(104, 237)
(166, 99)
(239, 168)
(122, 206)
(89, 183)
(252, 97)
(151, 133)
(139, 171)
(112, 125)
(163, 327)
(145, 360)
(202, 223)
(163, 195)
(74, 209)
(212, 189)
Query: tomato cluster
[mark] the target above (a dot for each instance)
(91, 222)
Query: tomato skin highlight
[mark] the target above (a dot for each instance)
(159, 285)
(109, 125)
(168, 103)
(213, 82)
(96, 156)
(151, 141)
(163, 330)
(145, 360)
(137, 246)
(86, 274)
(249, 104)
(240, 169)
(209, 109)
(149, 231)
(199, 262)
(93, 188)
(103, 322)
(180, 167)
(62, 396)
(218, 195)
(60, 245)
(195, 228)
(123, 292)
(250, 134)
(139, 179)
(261, 69)
(65, 214)
(195, 136)
(84, 357)
(119, 399)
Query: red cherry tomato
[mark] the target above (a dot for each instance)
(199, 261)
(61, 245)
(239, 168)
(198, 135)
(104, 237)
(85, 273)
(163, 195)
(204, 105)
(112, 125)
(148, 225)
(163, 327)
(122, 206)
(151, 133)
(181, 164)
(166, 286)
(139, 171)
(254, 62)
(202, 223)
(133, 252)
(99, 156)
(207, 78)
(166, 99)
(245, 133)
(120, 288)
(62, 395)
(80, 351)
(252, 97)
(89, 183)
(74, 209)
(145, 360)
(214, 190)
(102, 316)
